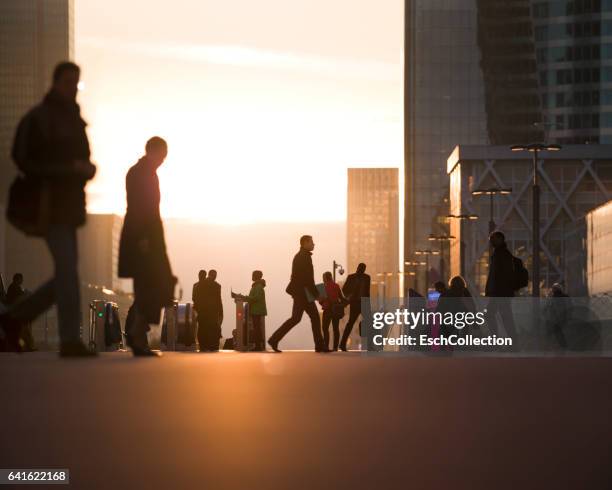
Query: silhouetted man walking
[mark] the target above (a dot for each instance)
(500, 285)
(209, 306)
(142, 249)
(357, 286)
(201, 278)
(304, 293)
(51, 151)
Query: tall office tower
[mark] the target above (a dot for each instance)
(573, 41)
(34, 36)
(444, 101)
(373, 224)
(508, 63)
(498, 72)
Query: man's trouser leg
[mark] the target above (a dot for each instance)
(355, 311)
(62, 289)
(327, 319)
(296, 315)
(62, 242)
(336, 326)
(315, 322)
(258, 332)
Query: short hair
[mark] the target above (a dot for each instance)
(457, 282)
(361, 268)
(64, 67)
(156, 143)
(304, 239)
(439, 285)
(212, 272)
(498, 234)
(17, 275)
(202, 273)
(328, 275)
(257, 275)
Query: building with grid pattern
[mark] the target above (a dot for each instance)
(573, 181)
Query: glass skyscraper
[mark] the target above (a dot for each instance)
(497, 72)
(444, 105)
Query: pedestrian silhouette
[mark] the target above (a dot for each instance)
(455, 299)
(440, 287)
(210, 313)
(201, 278)
(333, 309)
(142, 247)
(23, 330)
(356, 287)
(257, 308)
(557, 312)
(501, 285)
(304, 293)
(47, 200)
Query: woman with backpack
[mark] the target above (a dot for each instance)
(333, 310)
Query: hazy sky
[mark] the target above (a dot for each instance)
(264, 103)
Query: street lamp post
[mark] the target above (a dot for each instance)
(336, 265)
(414, 264)
(461, 217)
(535, 149)
(426, 253)
(441, 239)
(491, 192)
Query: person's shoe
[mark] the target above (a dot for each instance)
(75, 349)
(274, 346)
(145, 352)
(323, 350)
(343, 348)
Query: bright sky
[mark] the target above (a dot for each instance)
(264, 103)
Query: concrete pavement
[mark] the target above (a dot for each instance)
(305, 420)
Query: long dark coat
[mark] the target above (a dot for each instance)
(151, 271)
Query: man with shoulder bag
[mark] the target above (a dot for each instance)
(47, 200)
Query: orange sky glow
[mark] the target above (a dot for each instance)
(264, 104)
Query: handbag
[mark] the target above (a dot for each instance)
(28, 205)
(337, 311)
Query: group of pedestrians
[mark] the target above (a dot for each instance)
(304, 293)
(206, 297)
(47, 200)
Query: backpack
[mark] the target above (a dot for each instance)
(520, 275)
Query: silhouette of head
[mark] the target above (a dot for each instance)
(361, 268)
(18, 279)
(257, 275)
(212, 274)
(440, 286)
(307, 243)
(66, 80)
(457, 283)
(327, 276)
(556, 289)
(497, 239)
(156, 150)
(202, 275)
